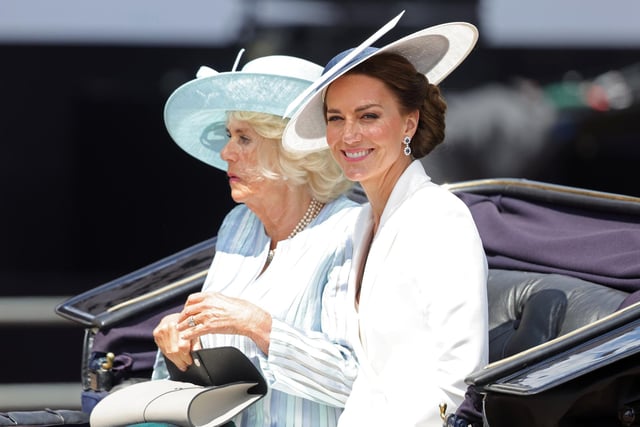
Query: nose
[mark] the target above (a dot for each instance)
(351, 132)
(226, 153)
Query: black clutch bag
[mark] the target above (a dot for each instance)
(219, 366)
(220, 383)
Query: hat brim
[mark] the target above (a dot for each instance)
(435, 52)
(195, 113)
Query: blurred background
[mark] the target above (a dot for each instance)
(93, 188)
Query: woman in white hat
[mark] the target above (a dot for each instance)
(418, 288)
(276, 288)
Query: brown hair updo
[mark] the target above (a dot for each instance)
(413, 92)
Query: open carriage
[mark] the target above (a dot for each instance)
(564, 326)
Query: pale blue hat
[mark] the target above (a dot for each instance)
(195, 113)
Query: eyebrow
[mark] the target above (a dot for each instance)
(238, 129)
(358, 109)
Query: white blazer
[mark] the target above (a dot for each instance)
(423, 316)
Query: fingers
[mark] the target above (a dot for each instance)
(189, 323)
(165, 334)
(182, 360)
(192, 310)
(200, 302)
(196, 345)
(175, 347)
(195, 316)
(194, 299)
(211, 313)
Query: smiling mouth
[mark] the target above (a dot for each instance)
(354, 155)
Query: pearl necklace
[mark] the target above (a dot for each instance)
(312, 212)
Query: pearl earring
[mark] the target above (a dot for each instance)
(407, 149)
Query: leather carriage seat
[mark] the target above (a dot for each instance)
(527, 308)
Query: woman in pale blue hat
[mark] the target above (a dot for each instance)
(418, 288)
(276, 288)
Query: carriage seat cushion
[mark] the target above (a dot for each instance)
(527, 308)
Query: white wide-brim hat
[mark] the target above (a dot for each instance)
(195, 113)
(435, 51)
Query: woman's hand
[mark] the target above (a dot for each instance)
(170, 342)
(214, 313)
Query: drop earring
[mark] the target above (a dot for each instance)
(407, 149)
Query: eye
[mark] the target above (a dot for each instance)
(370, 116)
(244, 140)
(333, 118)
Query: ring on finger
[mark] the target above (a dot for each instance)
(192, 322)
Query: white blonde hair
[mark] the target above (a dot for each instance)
(318, 171)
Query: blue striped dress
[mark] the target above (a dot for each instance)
(310, 366)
